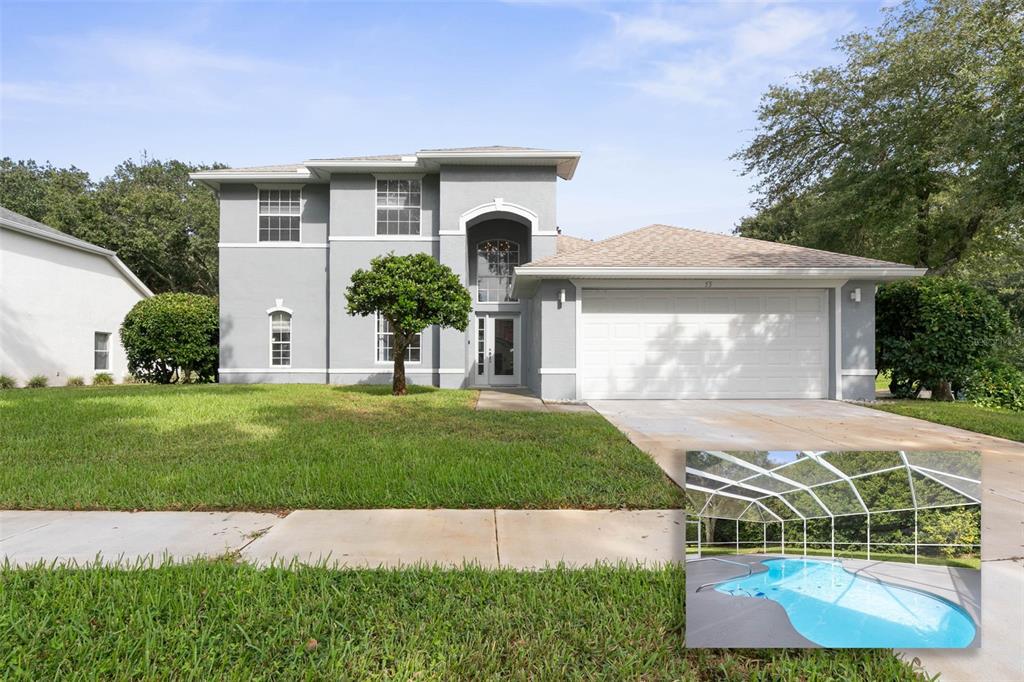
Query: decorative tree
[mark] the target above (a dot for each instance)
(411, 292)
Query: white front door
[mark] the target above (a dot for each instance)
(693, 343)
(497, 341)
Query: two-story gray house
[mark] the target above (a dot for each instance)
(659, 312)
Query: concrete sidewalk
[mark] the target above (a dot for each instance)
(349, 538)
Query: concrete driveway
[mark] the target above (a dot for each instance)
(666, 429)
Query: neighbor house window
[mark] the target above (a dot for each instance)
(496, 260)
(101, 351)
(386, 345)
(280, 339)
(398, 206)
(279, 215)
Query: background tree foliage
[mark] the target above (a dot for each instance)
(162, 226)
(910, 149)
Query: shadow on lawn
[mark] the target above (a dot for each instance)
(262, 447)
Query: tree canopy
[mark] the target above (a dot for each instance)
(163, 226)
(911, 148)
(411, 292)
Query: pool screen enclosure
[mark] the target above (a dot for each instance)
(898, 503)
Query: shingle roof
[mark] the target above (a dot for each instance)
(280, 168)
(375, 157)
(491, 148)
(567, 244)
(664, 246)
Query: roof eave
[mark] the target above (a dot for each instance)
(82, 246)
(874, 273)
(214, 179)
(565, 162)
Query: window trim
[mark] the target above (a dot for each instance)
(96, 350)
(513, 266)
(270, 335)
(382, 177)
(376, 345)
(302, 207)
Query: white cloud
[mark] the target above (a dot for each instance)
(704, 53)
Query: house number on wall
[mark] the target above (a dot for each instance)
(707, 284)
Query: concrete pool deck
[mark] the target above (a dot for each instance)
(714, 619)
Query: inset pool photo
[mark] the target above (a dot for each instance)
(833, 549)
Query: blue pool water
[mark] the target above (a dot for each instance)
(835, 608)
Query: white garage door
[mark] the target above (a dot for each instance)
(704, 344)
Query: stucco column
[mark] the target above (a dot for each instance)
(453, 365)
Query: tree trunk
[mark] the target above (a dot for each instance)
(944, 391)
(398, 378)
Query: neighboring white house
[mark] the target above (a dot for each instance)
(62, 301)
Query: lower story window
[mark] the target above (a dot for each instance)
(101, 351)
(386, 345)
(280, 339)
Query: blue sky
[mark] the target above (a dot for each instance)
(656, 96)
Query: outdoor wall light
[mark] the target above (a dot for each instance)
(561, 297)
(855, 295)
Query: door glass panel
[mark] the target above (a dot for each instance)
(481, 340)
(504, 362)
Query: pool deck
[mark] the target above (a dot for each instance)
(714, 619)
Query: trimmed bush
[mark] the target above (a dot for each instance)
(75, 382)
(934, 333)
(7, 382)
(172, 337)
(103, 379)
(38, 381)
(996, 384)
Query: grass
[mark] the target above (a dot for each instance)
(309, 446)
(992, 421)
(956, 562)
(221, 620)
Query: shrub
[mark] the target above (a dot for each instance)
(996, 384)
(172, 337)
(75, 381)
(7, 382)
(103, 379)
(38, 381)
(935, 332)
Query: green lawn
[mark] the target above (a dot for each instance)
(993, 421)
(221, 620)
(308, 446)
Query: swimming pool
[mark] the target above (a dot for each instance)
(835, 608)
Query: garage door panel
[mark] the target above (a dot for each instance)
(721, 344)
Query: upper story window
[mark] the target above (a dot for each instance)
(279, 215)
(101, 351)
(398, 206)
(496, 259)
(386, 343)
(280, 339)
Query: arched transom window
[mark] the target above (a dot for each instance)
(496, 259)
(280, 339)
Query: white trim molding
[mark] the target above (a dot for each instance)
(385, 238)
(499, 205)
(382, 369)
(557, 370)
(452, 370)
(269, 370)
(279, 307)
(860, 372)
(270, 245)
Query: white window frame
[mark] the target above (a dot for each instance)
(377, 205)
(417, 343)
(519, 254)
(260, 214)
(95, 337)
(291, 335)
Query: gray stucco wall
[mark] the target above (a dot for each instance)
(465, 187)
(254, 276)
(558, 339)
(353, 205)
(858, 329)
